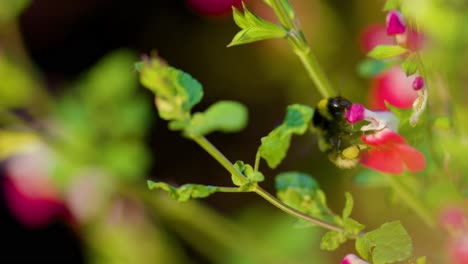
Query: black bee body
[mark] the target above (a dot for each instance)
(336, 136)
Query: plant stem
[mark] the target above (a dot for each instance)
(288, 18)
(315, 73)
(270, 198)
(217, 155)
(257, 162)
(231, 189)
(411, 200)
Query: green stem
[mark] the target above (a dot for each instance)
(288, 18)
(217, 155)
(411, 200)
(315, 73)
(231, 189)
(257, 162)
(270, 198)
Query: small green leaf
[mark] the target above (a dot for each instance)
(249, 172)
(386, 51)
(332, 240)
(370, 67)
(352, 227)
(253, 34)
(184, 192)
(176, 91)
(296, 189)
(239, 18)
(236, 179)
(410, 65)
(254, 28)
(276, 144)
(387, 244)
(224, 116)
(298, 118)
(186, 87)
(348, 205)
(391, 4)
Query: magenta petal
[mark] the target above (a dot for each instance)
(355, 113)
(395, 23)
(418, 83)
(384, 160)
(31, 211)
(411, 157)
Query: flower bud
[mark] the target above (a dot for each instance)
(395, 23)
(418, 83)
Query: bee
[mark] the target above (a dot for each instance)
(336, 135)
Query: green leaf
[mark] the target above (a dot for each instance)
(370, 67)
(387, 244)
(332, 240)
(254, 28)
(348, 205)
(410, 65)
(276, 144)
(391, 4)
(296, 189)
(224, 116)
(363, 246)
(184, 192)
(386, 51)
(249, 172)
(236, 179)
(352, 227)
(176, 91)
(253, 34)
(187, 87)
(298, 118)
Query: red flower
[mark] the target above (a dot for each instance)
(389, 153)
(394, 87)
(213, 7)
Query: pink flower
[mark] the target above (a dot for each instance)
(374, 35)
(388, 151)
(352, 259)
(29, 192)
(394, 87)
(395, 23)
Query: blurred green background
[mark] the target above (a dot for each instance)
(66, 68)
